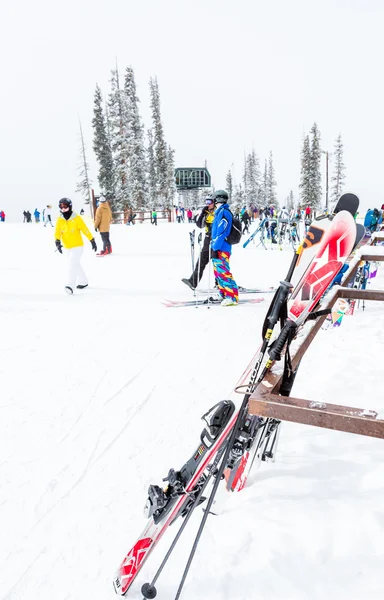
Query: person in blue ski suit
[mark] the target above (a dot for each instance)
(221, 250)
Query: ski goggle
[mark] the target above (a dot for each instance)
(64, 207)
(209, 201)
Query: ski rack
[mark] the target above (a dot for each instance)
(266, 401)
(365, 253)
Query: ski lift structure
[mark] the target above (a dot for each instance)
(190, 178)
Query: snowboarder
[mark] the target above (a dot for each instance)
(103, 219)
(205, 219)
(221, 228)
(69, 227)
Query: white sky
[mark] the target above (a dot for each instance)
(232, 75)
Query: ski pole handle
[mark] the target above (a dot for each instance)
(281, 297)
(278, 345)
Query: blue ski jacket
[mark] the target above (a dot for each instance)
(221, 227)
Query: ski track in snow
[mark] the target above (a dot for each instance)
(102, 392)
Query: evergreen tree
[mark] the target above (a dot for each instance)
(170, 180)
(160, 147)
(229, 184)
(238, 196)
(314, 169)
(271, 183)
(134, 132)
(118, 113)
(151, 173)
(264, 187)
(338, 177)
(102, 149)
(290, 202)
(83, 186)
(253, 183)
(305, 175)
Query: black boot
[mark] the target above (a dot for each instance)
(188, 283)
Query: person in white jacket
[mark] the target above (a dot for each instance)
(48, 215)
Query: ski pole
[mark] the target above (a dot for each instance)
(192, 242)
(199, 240)
(209, 276)
(148, 589)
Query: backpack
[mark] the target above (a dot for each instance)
(234, 236)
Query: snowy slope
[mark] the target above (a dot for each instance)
(101, 393)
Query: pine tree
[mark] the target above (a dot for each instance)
(290, 202)
(170, 180)
(118, 113)
(160, 147)
(84, 185)
(151, 173)
(238, 196)
(264, 187)
(102, 149)
(229, 184)
(305, 175)
(314, 171)
(271, 183)
(253, 183)
(338, 177)
(134, 132)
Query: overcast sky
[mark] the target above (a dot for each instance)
(232, 75)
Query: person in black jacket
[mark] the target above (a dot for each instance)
(205, 219)
(245, 220)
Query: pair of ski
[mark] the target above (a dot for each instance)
(232, 439)
(210, 301)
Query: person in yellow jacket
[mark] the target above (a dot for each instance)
(103, 219)
(69, 227)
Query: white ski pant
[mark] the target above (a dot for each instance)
(75, 273)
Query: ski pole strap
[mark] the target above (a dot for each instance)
(282, 294)
(319, 313)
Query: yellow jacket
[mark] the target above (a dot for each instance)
(69, 232)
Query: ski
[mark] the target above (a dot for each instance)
(199, 467)
(242, 290)
(254, 234)
(164, 506)
(211, 301)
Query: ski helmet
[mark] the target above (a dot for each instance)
(65, 203)
(221, 196)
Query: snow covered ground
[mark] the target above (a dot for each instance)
(101, 393)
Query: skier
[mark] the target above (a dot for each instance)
(189, 215)
(205, 219)
(245, 219)
(36, 214)
(221, 228)
(69, 227)
(154, 217)
(103, 220)
(48, 216)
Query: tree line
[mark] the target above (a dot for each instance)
(136, 168)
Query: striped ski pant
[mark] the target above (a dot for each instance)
(225, 282)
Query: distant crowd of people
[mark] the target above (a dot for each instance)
(45, 214)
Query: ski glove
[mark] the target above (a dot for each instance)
(59, 246)
(93, 244)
